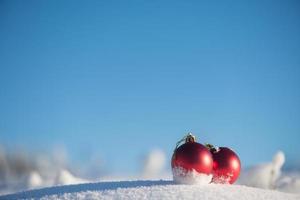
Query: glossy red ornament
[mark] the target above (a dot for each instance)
(192, 155)
(226, 165)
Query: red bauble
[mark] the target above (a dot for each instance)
(192, 155)
(226, 165)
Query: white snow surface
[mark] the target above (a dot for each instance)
(182, 176)
(263, 181)
(161, 189)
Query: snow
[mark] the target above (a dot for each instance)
(180, 175)
(264, 181)
(289, 184)
(162, 189)
(264, 175)
(154, 164)
(34, 180)
(20, 171)
(270, 176)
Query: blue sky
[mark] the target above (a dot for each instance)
(118, 78)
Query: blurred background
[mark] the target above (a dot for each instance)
(103, 90)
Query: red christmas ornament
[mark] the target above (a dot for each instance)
(226, 165)
(192, 155)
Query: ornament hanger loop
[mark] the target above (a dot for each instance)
(188, 138)
(212, 147)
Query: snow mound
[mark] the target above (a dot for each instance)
(269, 176)
(34, 180)
(289, 183)
(264, 175)
(162, 189)
(154, 164)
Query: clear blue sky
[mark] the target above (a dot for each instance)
(118, 78)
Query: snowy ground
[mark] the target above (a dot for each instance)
(264, 181)
(152, 190)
